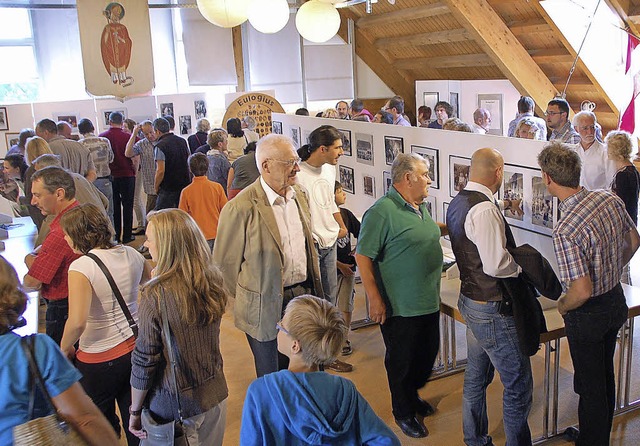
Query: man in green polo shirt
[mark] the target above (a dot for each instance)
(400, 261)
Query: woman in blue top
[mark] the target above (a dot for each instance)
(60, 378)
(302, 406)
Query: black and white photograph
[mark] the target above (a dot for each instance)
(458, 173)
(305, 136)
(4, 119)
(431, 206)
(346, 179)
(106, 114)
(364, 148)
(387, 181)
(294, 132)
(393, 145)
(276, 127)
(513, 189)
(431, 155)
(185, 124)
(453, 101)
(200, 108)
(346, 142)
(12, 139)
(369, 185)
(166, 109)
(445, 207)
(542, 204)
(430, 99)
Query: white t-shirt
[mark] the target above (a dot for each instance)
(597, 170)
(319, 182)
(107, 325)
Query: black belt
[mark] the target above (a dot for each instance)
(108, 177)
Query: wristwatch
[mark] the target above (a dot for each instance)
(135, 413)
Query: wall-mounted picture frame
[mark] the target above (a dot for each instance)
(12, 139)
(347, 179)
(430, 99)
(185, 124)
(108, 112)
(294, 133)
(431, 155)
(454, 101)
(166, 109)
(459, 167)
(493, 103)
(387, 181)
(70, 118)
(393, 145)
(4, 119)
(346, 142)
(305, 137)
(445, 208)
(200, 108)
(430, 201)
(276, 127)
(369, 185)
(364, 148)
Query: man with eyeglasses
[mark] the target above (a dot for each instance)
(395, 106)
(558, 121)
(265, 249)
(597, 170)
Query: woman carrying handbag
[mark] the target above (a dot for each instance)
(176, 370)
(103, 293)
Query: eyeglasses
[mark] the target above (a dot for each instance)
(552, 113)
(288, 163)
(282, 329)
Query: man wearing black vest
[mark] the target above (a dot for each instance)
(172, 168)
(479, 238)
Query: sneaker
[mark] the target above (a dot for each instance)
(346, 348)
(339, 366)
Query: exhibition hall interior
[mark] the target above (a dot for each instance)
(456, 181)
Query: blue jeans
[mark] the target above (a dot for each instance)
(492, 343)
(104, 185)
(167, 199)
(329, 272)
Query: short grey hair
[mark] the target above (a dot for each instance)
(203, 125)
(619, 144)
(46, 160)
(561, 163)
(251, 123)
(583, 114)
(270, 146)
(405, 163)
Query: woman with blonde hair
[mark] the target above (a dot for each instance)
(302, 405)
(185, 292)
(103, 321)
(35, 147)
(60, 377)
(330, 113)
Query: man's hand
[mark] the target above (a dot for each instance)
(345, 269)
(377, 310)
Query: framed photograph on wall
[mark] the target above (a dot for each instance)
(431, 155)
(106, 114)
(458, 173)
(12, 139)
(369, 185)
(346, 141)
(364, 148)
(276, 127)
(166, 109)
(454, 102)
(294, 133)
(445, 208)
(430, 99)
(387, 181)
(346, 179)
(431, 206)
(185, 124)
(4, 119)
(69, 118)
(393, 145)
(200, 108)
(493, 103)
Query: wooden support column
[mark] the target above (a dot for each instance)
(238, 56)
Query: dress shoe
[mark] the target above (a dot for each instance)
(412, 428)
(138, 231)
(339, 366)
(423, 408)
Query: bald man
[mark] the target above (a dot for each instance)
(479, 238)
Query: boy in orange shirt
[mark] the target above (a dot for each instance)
(203, 199)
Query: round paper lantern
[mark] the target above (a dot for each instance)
(317, 21)
(224, 13)
(269, 16)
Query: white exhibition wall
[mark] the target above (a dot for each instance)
(451, 148)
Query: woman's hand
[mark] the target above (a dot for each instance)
(70, 353)
(135, 427)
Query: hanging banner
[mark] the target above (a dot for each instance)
(116, 47)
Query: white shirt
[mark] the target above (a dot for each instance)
(477, 129)
(285, 210)
(484, 226)
(597, 170)
(319, 182)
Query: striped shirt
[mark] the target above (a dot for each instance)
(144, 148)
(589, 237)
(565, 134)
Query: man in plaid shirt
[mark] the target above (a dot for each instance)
(593, 240)
(54, 194)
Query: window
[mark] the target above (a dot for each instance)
(19, 79)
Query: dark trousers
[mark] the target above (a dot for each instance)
(151, 202)
(266, 356)
(411, 348)
(591, 331)
(56, 318)
(123, 192)
(167, 199)
(107, 383)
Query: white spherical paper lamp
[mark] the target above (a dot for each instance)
(224, 13)
(268, 16)
(317, 21)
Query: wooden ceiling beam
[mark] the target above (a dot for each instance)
(551, 55)
(499, 42)
(401, 15)
(459, 61)
(438, 37)
(626, 11)
(529, 26)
